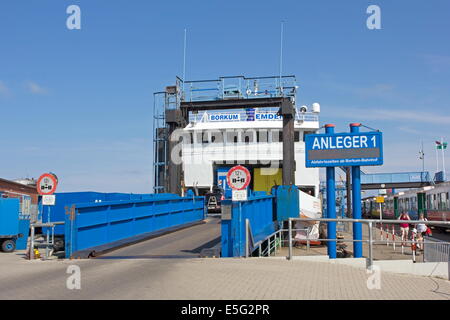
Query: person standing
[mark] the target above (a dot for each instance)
(421, 229)
(404, 227)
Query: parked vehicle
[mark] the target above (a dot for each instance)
(432, 201)
(9, 224)
(213, 200)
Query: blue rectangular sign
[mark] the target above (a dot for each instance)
(344, 149)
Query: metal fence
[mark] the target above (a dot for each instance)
(244, 220)
(104, 224)
(253, 225)
(436, 250)
(239, 87)
(370, 223)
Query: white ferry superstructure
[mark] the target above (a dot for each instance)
(221, 139)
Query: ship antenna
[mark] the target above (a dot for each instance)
(281, 55)
(184, 58)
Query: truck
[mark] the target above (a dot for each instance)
(11, 225)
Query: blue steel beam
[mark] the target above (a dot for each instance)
(356, 196)
(331, 202)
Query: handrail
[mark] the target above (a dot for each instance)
(372, 220)
(369, 222)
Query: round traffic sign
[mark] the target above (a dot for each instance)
(238, 178)
(46, 184)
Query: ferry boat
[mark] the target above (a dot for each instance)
(216, 140)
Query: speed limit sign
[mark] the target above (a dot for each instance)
(238, 178)
(46, 184)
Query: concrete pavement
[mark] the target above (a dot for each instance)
(254, 278)
(167, 267)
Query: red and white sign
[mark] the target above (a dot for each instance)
(238, 178)
(46, 184)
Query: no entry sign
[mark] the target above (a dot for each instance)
(238, 178)
(46, 184)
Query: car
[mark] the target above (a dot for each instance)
(213, 200)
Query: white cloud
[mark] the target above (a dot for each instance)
(35, 88)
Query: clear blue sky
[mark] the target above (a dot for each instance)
(78, 102)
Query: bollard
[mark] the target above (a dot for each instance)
(413, 248)
(247, 223)
(290, 239)
(393, 236)
(32, 242)
(370, 246)
(387, 236)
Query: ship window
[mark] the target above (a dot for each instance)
(261, 136)
(277, 136)
(249, 136)
(232, 137)
(216, 137)
(186, 138)
(197, 137)
(205, 137)
(296, 136)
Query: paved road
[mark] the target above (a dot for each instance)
(207, 279)
(186, 243)
(159, 269)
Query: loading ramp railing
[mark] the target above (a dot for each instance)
(370, 223)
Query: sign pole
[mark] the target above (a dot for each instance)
(356, 196)
(381, 212)
(331, 203)
(443, 160)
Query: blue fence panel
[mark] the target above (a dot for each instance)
(102, 223)
(287, 202)
(259, 211)
(57, 212)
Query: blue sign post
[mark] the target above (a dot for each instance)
(331, 203)
(353, 149)
(356, 196)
